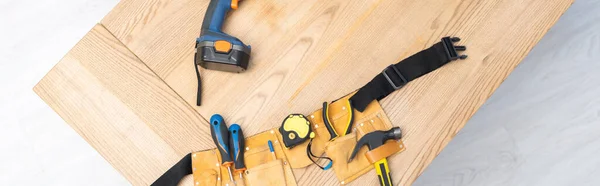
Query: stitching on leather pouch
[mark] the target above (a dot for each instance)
(373, 115)
(367, 121)
(332, 147)
(257, 156)
(251, 172)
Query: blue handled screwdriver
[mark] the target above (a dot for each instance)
(272, 149)
(220, 135)
(236, 143)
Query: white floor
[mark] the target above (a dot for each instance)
(541, 127)
(37, 146)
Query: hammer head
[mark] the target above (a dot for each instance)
(376, 139)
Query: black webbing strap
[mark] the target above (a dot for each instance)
(397, 75)
(199, 94)
(176, 173)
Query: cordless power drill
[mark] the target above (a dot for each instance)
(216, 50)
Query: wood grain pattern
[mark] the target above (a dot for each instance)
(306, 52)
(122, 108)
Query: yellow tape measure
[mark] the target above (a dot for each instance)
(295, 129)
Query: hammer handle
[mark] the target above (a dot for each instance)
(383, 172)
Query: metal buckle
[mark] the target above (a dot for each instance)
(385, 74)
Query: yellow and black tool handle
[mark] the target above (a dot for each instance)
(383, 172)
(332, 133)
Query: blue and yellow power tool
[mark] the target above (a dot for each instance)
(216, 50)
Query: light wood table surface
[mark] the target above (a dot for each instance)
(128, 87)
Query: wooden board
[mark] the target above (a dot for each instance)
(304, 53)
(122, 108)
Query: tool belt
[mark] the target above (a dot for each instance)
(264, 169)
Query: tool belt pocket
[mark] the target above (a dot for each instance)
(206, 168)
(257, 155)
(266, 167)
(270, 173)
(263, 166)
(340, 149)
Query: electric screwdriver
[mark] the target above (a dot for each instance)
(216, 50)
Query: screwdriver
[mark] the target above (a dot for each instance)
(272, 149)
(220, 136)
(236, 143)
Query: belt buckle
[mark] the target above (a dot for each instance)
(389, 79)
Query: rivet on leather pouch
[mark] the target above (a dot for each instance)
(257, 156)
(204, 170)
(372, 123)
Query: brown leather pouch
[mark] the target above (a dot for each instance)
(263, 169)
(338, 115)
(270, 173)
(206, 168)
(339, 150)
(371, 119)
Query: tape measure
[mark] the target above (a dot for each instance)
(295, 129)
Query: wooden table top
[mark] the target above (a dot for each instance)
(129, 86)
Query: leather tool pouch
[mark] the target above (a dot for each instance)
(206, 168)
(371, 119)
(264, 169)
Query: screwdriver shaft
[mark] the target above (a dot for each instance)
(230, 175)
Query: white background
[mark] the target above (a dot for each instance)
(541, 127)
(37, 146)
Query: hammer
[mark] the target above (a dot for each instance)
(373, 140)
